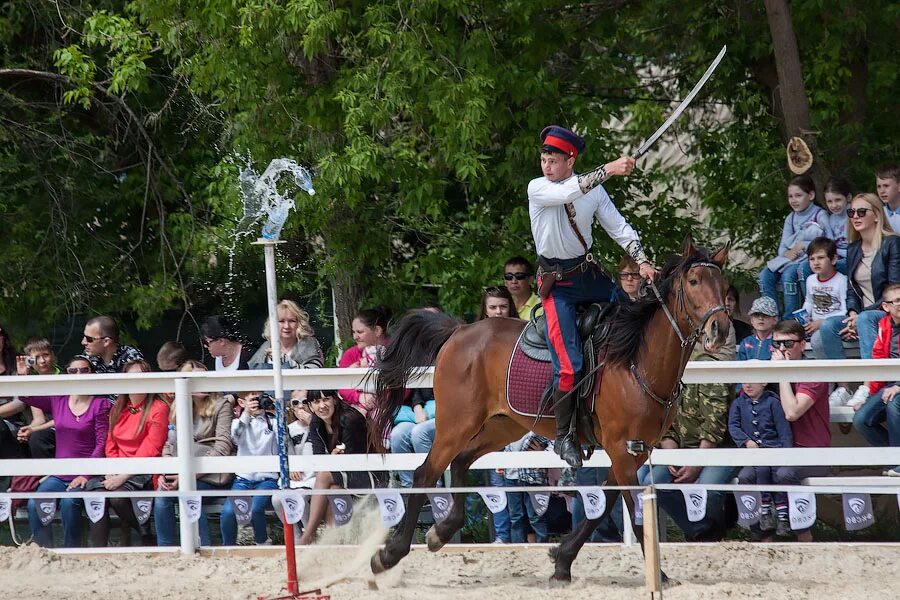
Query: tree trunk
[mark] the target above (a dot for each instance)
(791, 94)
(347, 296)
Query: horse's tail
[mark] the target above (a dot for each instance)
(413, 348)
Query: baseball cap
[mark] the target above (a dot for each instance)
(764, 306)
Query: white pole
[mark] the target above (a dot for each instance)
(272, 296)
(187, 477)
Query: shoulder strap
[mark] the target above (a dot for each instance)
(570, 213)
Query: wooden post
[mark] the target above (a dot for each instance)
(651, 543)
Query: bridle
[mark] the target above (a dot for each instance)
(681, 304)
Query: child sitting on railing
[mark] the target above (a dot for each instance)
(756, 420)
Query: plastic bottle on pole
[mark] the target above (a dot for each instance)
(272, 229)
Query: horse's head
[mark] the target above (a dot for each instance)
(702, 290)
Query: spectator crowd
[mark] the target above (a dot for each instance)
(833, 287)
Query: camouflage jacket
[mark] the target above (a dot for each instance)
(703, 414)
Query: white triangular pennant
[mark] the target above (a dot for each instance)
(5, 507)
(95, 507)
(802, 509)
(291, 502)
(392, 508)
(594, 501)
(494, 499)
(441, 503)
(858, 513)
(695, 503)
(540, 501)
(191, 508)
(241, 506)
(342, 508)
(749, 506)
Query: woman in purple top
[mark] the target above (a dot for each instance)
(81, 426)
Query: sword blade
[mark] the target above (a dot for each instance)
(648, 143)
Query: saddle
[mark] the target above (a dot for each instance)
(592, 323)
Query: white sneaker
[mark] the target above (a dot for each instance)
(839, 397)
(859, 396)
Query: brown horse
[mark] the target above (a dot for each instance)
(647, 350)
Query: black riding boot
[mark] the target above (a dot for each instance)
(566, 445)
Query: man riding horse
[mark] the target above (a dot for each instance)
(563, 207)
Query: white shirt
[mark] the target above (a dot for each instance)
(252, 437)
(553, 235)
(826, 298)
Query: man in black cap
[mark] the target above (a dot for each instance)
(563, 207)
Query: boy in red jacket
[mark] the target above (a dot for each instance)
(883, 403)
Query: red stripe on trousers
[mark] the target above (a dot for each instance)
(566, 372)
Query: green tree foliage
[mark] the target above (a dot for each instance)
(420, 121)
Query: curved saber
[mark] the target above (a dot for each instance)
(648, 143)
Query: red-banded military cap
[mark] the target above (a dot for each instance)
(559, 139)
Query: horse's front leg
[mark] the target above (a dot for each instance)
(564, 554)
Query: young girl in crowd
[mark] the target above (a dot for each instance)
(212, 414)
(805, 223)
(335, 428)
(299, 347)
(370, 334)
(497, 301)
(837, 198)
(82, 423)
(137, 428)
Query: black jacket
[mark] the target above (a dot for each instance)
(885, 270)
(352, 431)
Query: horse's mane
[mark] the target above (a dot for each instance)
(626, 334)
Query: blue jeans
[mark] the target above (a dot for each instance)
(869, 418)
(866, 328)
(672, 501)
(893, 421)
(259, 504)
(409, 438)
(69, 510)
(164, 517)
(768, 284)
(520, 508)
(501, 519)
(610, 528)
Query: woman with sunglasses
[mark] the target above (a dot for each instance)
(82, 423)
(873, 262)
(335, 428)
(629, 280)
(138, 424)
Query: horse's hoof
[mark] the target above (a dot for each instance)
(433, 540)
(376, 564)
(667, 582)
(558, 581)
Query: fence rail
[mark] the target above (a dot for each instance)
(187, 466)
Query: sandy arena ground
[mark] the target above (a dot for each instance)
(731, 570)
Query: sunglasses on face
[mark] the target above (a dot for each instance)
(208, 341)
(518, 276)
(298, 403)
(91, 339)
(894, 302)
(857, 212)
(78, 370)
(784, 343)
(629, 275)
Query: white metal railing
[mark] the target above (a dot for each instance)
(187, 466)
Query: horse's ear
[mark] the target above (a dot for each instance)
(721, 254)
(688, 247)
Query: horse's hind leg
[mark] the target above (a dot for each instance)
(564, 554)
(496, 433)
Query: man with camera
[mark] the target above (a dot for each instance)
(253, 433)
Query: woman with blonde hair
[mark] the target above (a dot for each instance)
(299, 347)
(873, 262)
(212, 437)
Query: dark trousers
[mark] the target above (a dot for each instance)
(560, 308)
